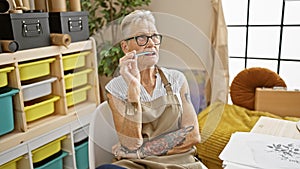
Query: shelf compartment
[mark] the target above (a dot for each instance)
(3, 75)
(11, 164)
(6, 111)
(82, 156)
(37, 89)
(40, 109)
(81, 134)
(76, 79)
(47, 150)
(73, 61)
(57, 163)
(35, 69)
(77, 96)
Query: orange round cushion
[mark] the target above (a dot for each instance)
(243, 86)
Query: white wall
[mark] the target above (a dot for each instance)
(186, 26)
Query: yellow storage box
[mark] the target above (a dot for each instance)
(40, 109)
(11, 164)
(47, 150)
(77, 96)
(76, 79)
(75, 60)
(3, 75)
(35, 69)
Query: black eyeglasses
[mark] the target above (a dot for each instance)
(142, 40)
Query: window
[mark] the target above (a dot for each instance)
(264, 33)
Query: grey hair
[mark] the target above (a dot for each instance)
(134, 18)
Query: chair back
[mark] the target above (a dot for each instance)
(102, 136)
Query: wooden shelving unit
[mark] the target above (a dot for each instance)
(27, 136)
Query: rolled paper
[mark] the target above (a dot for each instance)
(26, 4)
(9, 45)
(19, 3)
(60, 39)
(40, 5)
(75, 5)
(57, 5)
(4, 6)
(16, 11)
(14, 5)
(21, 6)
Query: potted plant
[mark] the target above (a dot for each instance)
(104, 19)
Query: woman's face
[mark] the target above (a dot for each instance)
(148, 29)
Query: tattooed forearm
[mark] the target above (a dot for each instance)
(162, 144)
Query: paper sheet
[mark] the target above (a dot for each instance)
(262, 151)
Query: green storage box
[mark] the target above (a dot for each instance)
(6, 111)
(82, 156)
(57, 163)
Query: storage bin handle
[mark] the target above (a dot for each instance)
(32, 29)
(75, 25)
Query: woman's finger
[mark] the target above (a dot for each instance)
(129, 55)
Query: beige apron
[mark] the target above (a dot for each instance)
(161, 116)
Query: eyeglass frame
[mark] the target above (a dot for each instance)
(136, 37)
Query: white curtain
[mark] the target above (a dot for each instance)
(218, 37)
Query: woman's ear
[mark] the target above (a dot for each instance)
(124, 46)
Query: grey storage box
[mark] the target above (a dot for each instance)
(73, 23)
(29, 30)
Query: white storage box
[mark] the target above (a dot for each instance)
(37, 89)
(81, 134)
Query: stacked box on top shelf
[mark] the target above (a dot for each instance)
(76, 77)
(29, 30)
(73, 23)
(36, 81)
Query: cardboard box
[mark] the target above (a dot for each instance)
(281, 102)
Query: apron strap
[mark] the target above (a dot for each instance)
(165, 81)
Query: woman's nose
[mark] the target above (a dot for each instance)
(150, 42)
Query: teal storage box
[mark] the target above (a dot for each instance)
(56, 163)
(6, 110)
(82, 156)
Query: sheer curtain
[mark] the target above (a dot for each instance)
(219, 52)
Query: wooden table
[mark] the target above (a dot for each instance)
(276, 127)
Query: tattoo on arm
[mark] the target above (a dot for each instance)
(162, 144)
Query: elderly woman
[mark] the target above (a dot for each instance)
(152, 111)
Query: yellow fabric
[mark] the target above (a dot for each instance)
(216, 124)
